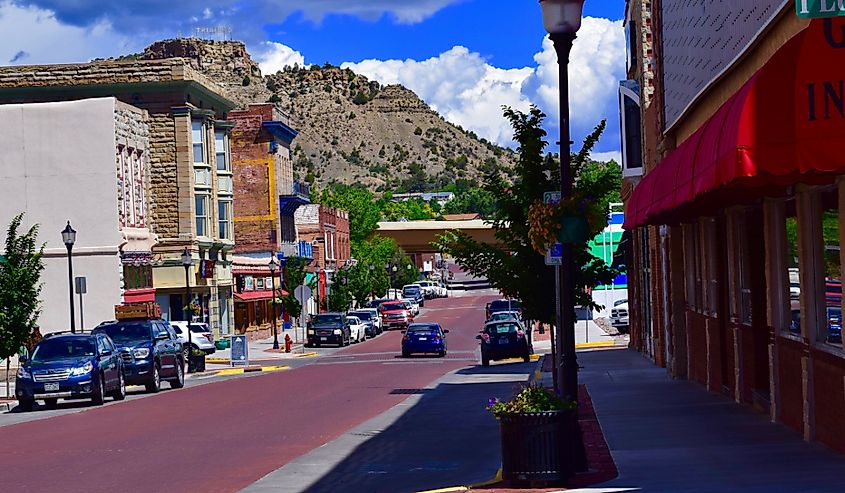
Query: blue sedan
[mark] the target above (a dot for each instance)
(424, 338)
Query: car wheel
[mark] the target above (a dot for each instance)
(442, 353)
(99, 394)
(485, 360)
(120, 393)
(526, 357)
(26, 404)
(179, 382)
(406, 354)
(154, 385)
(186, 352)
(51, 403)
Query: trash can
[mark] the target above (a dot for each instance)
(538, 446)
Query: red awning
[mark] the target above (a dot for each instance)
(785, 126)
(256, 295)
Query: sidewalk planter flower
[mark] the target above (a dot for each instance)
(539, 432)
(197, 361)
(194, 309)
(574, 219)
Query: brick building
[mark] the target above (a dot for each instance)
(327, 230)
(266, 197)
(190, 179)
(736, 223)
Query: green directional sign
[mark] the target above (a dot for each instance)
(815, 9)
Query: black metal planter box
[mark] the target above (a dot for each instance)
(198, 363)
(538, 446)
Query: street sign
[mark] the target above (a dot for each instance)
(554, 255)
(81, 286)
(239, 347)
(816, 9)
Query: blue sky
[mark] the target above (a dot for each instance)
(465, 58)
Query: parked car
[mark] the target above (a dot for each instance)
(201, 337)
(834, 322)
(328, 328)
(357, 329)
(377, 302)
(413, 292)
(502, 305)
(424, 338)
(370, 318)
(412, 305)
(620, 301)
(504, 339)
(441, 290)
(619, 317)
(512, 315)
(150, 349)
(70, 366)
(428, 289)
(395, 314)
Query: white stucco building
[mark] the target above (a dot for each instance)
(85, 162)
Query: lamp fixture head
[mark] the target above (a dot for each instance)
(69, 235)
(562, 16)
(187, 260)
(273, 265)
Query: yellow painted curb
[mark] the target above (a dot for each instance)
(306, 355)
(496, 479)
(264, 369)
(533, 357)
(217, 360)
(595, 344)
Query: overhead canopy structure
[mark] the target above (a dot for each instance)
(783, 127)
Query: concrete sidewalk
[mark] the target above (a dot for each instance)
(261, 350)
(673, 435)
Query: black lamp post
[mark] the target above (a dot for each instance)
(69, 238)
(372, 284)
(392, 270)
(562, 19)
(273, 266)
(187, 312)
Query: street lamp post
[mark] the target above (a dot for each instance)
(392, 270)
(187, 263)
(562, 19)
(372, 275)
(69, 238)
(273, 266)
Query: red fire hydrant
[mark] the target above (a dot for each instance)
(288, 343)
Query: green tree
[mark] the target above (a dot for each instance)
(20, 287)
(514, 266)
(339, 296)
(477, 200)
(359, 202)
(294, 275)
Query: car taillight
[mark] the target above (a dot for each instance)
(405, 339)
(210, 338)
(485, 337)
(437, 339)
(520, 333)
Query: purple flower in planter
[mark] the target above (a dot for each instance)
(492, 402)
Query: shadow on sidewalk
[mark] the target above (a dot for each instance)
(446, 438)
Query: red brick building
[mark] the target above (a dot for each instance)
(327, 230)
(736, 223)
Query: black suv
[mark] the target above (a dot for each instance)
(329, 328)
(503, 339)
(70, 366)
(150, 349)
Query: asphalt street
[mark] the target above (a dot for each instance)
(224, 434)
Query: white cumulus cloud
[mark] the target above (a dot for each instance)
(470, 92)
(33, 36)
(272, 57)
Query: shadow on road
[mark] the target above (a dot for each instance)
(446, 438)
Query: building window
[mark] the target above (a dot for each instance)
(198, 141)
(631, 133)
(137, 277)
(224, 218)
(631, 42)
(221, 150)
(202, 201)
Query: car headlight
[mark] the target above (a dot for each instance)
(310, 332)
(82, 370)
(140, 352)
(22, 373)
(337, 332)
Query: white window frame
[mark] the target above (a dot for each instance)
(625, 92)
(227, 164)
(224, 221)
(202, 142)
(205, 217)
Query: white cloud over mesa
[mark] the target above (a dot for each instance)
(470, 92)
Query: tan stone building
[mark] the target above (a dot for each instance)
(189, 167)
(736, 223)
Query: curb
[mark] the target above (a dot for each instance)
(595, 344)
(496, 479)
(8, 406)
(250, 369)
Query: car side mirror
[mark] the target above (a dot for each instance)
(402, 332)
(23, 359)
(105, 352)
(478, 337)
(445, 331)
(162, 336)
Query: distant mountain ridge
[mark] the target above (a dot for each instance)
(351, 130)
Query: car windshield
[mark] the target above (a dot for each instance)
(328, 319)
(504, 315)
(503, 328)
(199, 328)
(411, 290)
(427, 328)
(505, 305)
(363, 315)
(123, 333)
(53, 349)
(352, 320)
(393, 306)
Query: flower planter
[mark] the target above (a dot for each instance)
(538, 446)
(198, 363)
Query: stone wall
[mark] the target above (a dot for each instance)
(226, 61)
